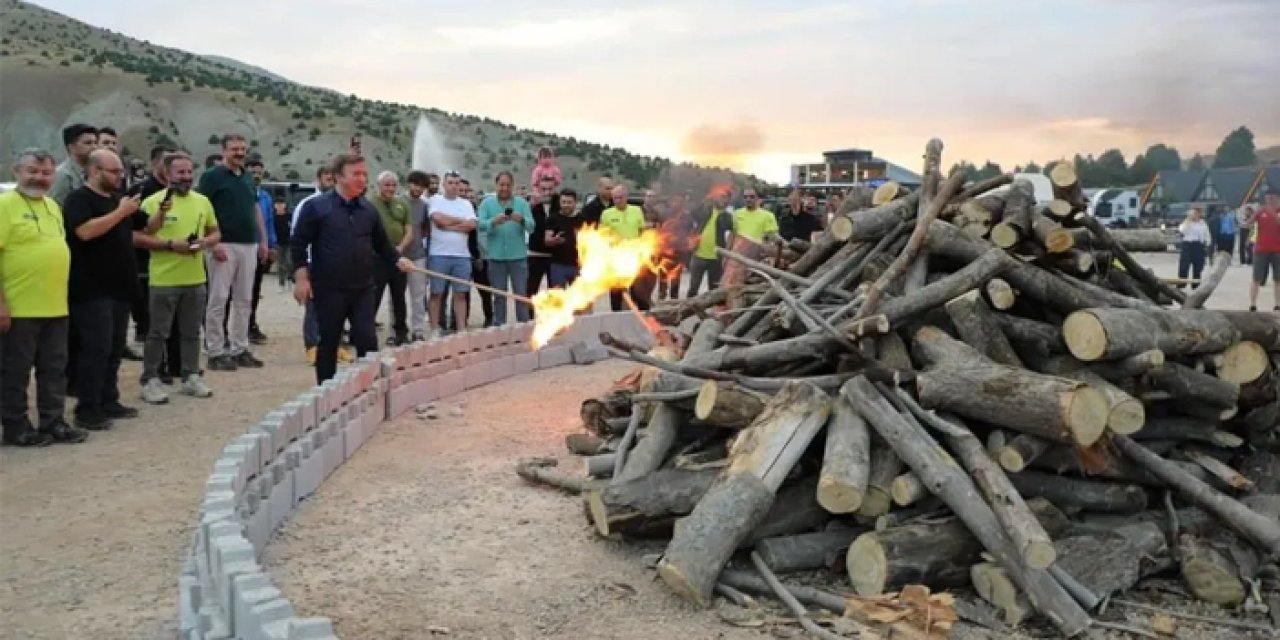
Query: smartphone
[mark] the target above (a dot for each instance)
(509, 211)
(168, 196)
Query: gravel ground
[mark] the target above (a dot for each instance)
(91, 535)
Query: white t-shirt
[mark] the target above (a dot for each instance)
(449, 243)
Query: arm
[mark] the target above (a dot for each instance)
(305, 230)
(263, 238)
(265, 225)
(87, 228)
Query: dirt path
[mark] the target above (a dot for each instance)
(428, 526)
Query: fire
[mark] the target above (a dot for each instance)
(607, 262)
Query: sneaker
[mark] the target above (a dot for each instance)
(346, 354)
(257, 337)
(1253, 307)
(246, 360)
(92, 420)
(22, 435)
(195, 387)
(311, 356)
(153, 392)
(222, 363)
(63, 433)
(117, 411)
(436, 334)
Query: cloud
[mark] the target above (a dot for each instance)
(723, 145)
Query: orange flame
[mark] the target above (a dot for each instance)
(607, 262)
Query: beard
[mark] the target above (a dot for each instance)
(33, 191)
(181, 187)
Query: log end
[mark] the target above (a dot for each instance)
(1063, 175)
(1011, 459)
(885, 193)
(1059, 241)
(1243, 362)
(1001, 294)
(1059, 209)
(994, 586)
(706, 401)
(676, 579)
(1086, 414)
(1039, 554)
(867, 565)
(1085, 336)
(840, 228)
(905, 490)
(1127, 416)
(598, 511)
(875, 503)
(1005, 235)
(838, 497)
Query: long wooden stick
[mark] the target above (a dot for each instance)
(794, 605)
(497, 292)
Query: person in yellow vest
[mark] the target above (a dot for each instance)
(35, 264)
(752, 221)
(627, 222)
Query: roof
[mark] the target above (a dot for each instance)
(1233, 184)
(844, 151)
(902, 175)
(1180, 186)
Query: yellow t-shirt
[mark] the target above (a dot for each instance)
(707, 245)
(189, 214)
(627, 224)
(35, 261)
(754, 224)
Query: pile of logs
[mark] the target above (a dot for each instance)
(954, 388)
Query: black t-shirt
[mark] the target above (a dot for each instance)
(541, 212)
(592, 211)
(801, 226)
(567, 253)
(103, 267)
(282, 228)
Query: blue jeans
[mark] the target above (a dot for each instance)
(455, 266)
(561, 275)
(515, 273)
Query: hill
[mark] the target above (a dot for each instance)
(55, 70)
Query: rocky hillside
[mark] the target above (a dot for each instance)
(55, 70)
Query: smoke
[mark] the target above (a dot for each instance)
(723, 145)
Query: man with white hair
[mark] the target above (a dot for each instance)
(34, 265)
(393, 211)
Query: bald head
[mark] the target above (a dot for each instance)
(604, 187)
(619, 194)
(105, 171)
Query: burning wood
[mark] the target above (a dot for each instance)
(948, 390)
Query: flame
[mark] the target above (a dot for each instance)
(608, 262)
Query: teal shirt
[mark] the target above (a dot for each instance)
(235, 202)
(504, 241)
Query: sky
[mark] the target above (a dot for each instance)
(758, 84)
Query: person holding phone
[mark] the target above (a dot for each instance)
(561, 240)
(503, 222)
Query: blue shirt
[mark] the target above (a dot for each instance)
(1227, 224)
(339, 241)
(267, 204)
(504, 241)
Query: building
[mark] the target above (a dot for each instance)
(847, 168)
(1171, 193)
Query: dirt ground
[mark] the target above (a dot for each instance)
(427, 525)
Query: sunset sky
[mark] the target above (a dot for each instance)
(761, 84)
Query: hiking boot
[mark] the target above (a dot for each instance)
(195, 387)
(92, 420)
(246, 360)
(153, 392)
(311, 356)
(22, 435)
(257, 337)
(222, 363)
(117, 411)
(63, 433)
(346, 354)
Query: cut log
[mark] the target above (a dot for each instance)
(873, 224)
(906, 490)
(1132, 240)
(980, 187)
(806, 551)
(1060, 210)
(1209, 574)
(892, 351)
(725, 404)
(794, 511)
(977, 326)
(1066, 184)
(997, 588)
(1197, 298)
(1111, 562)
(1111, 334)
(1020, 451)
(596, 413)
(760, 460)
(846, 460)
(1031, 336)
(1130, 367)
(973, 275)
(1081, 495)
(584, 444)
(1188, 429)
(885, 193)
(1262, 328)
(885, 466)
(599, 465)
(1242, 362)
(1125, 413)
(1073, 261)
(542, 471)
(647, 506)
(1262, 531)
(946, 480)
(963, 381)
(1218, 469)
(1188, 384)
(937, 555)
(1000, 294)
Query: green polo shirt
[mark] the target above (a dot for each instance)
(755, 223)
(627, 224)
(394, 216)
(234, 199)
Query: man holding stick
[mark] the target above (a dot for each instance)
(337, 240)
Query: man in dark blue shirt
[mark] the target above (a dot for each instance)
(335, 244)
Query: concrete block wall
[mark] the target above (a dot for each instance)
(261, 476)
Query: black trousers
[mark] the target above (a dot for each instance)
(99, 329)
(39, 343)
(141, 310)
(641, 292)
(334, 309)
(539, 269)
(385, 276)
(1191, 260)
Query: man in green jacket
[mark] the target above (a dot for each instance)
(393, 211)
(504, 222)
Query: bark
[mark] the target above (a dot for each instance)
(1031, 336)
(892, 350)
(596, 413)
(1132, 240)
(973, 275)
(806, 551)
(885, 193)
(945, 479)
(1197, 298)
(725, 404)
(599, 465)
(1153, 286)
(906, 490)
(1188, 384)
(1125, 413)
(794, 511)
(1187, 429)
(1111, 334)
(961, 380)
(1263, 469)
(846, 460)
(1066, 184)
(1113, 561)
(875, 223)
(1262, 328)
(1129, 367)
(885, 466)
(647, 506)
(584, 444)
(542, 471)
(978, 328)
(935, 555)
(1021, 451)
(1081, 495)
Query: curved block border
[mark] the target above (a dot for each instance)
(261, 476)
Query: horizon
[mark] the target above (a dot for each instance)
(938, 68)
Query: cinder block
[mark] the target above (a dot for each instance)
(587, 352)
(501, 367)
(310, 472)
(311, 629)
(274, 429)
(352, 436)
(271, 619)
(246, 591)
(227, 551)
(425, 390)
(432, 352)
(473, 375)
(188, 603)
(554, 357)
(221, 483)
(524, 363)
(310, 415)
(281, 501)
(252, 442)
(333, 451)
(233, 462)
(451, 383)
(258, 526)
(584, 328)
(385, 367)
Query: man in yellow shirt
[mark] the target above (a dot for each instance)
(35, 264)
(181, 225)
(751, 221)
(714, 227)
(627, 221)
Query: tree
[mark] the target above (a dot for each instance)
(1110, 169)
(214, 139)
(1196, 163)
(1163, 158)
(1236, 150)
(1032, 167)
(989, 170)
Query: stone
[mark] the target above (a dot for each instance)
(352, 436)
(311, 629)
(587, 352)
(271, 619)
(281, 500)
(253, 442)
(451, 383)
(549, 357)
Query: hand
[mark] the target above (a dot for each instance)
(273, 255)
(128, 206)
(182, 248)
(502, 219)
(302, 290)
(5, 320)
(220, 253)
(405, 265)
(263, 252)
(166, 205)
(517, 218)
